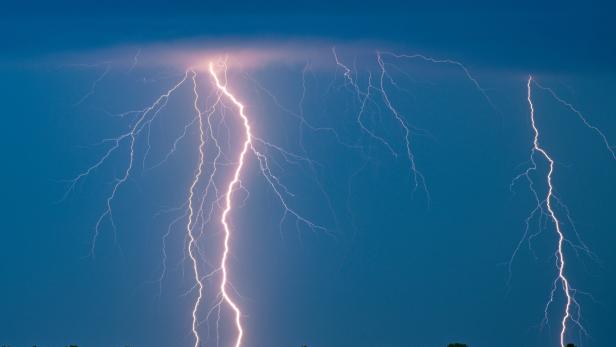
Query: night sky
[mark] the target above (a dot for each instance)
(395, 266)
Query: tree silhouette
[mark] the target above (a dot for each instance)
(570, 345)
(457, 345)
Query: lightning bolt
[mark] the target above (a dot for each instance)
(549, 198)
(189, 227)
(546, 208)
(196, 214)
(280, 190)
(202, 211)
(229, 203)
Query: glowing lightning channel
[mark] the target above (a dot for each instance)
(189, 227)
(198, 217)
(557, 225)
(228, 202)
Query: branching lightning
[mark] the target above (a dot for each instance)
(211, 199)
(229, 205)
(546, 207)
(190, 226)
(146, 116)
(549, 199)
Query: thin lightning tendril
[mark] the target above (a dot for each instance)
(131, 136)
(584, 120)
(189, 228)
(418, 177)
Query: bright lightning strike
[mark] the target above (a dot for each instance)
(546, 207)
(549, 200)
(197, 213)
(211, 201)
(229, 204)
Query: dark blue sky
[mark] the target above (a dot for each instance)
(544, 35)
(400, 271)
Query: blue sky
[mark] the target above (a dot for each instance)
(400, 270)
